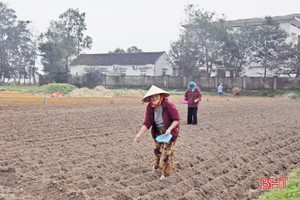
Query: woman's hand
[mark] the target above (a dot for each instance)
(138, 137)
(173, 125)
(196, 100)
(168, 131)
(141, 132)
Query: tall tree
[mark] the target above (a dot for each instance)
(202, 39)
(23, 54)
(186, 55)
(52, 59)
(267, 44)
(15, 46)
(289, 63)
(236, 52)
(8, 19)
(63, 41)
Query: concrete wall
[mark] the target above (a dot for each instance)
(205, 83)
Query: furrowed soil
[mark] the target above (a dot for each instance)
(83, 148)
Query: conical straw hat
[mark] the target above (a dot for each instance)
(154, 90)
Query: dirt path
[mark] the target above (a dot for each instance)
(82, 148)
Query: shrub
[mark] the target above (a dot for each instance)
(93, 78)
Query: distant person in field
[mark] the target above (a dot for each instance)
(193, 95)
(220, 90)
(163, 117)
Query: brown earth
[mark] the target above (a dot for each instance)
(83, 148)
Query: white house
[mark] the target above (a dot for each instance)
(289, 23)
(128, 64)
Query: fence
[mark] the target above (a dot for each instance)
(205, 83)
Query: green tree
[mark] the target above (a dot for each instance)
(52, 60)
(23, 57)
(269, 39)
(200, 45)
(236, 52)
(93, 77)
(32, 69)
(16, 46)
(186, 55)
(117, 50)
(134, 49)
(7, 22)
(63, 42)
(289, 63)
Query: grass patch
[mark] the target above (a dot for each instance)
(21, 88)
(297, 93)
(61, 87)
(292, 192)
(122, 92)
(66, 88)
(50, 88)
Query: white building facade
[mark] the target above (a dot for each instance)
(128, 64)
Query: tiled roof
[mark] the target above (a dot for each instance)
(117, 59)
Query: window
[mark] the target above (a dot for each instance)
(115, 67)
(143, 72)
(123, 71)
(88, 69)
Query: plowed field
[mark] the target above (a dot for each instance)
(83, 148)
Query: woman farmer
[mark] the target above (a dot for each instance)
(163, 117)
(193, 96)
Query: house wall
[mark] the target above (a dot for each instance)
(77, 70)
(163, 63)
(148, 70)
(130, 70)
(133, 70)
(293, 32)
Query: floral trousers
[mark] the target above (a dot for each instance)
(167, 150)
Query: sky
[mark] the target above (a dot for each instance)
(150, 25)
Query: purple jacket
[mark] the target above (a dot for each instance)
(169, 114)
(190, 96)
